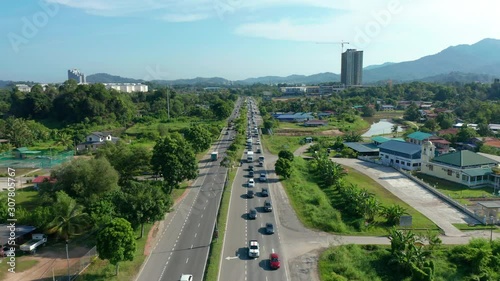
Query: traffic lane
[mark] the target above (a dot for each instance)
(159, 257)
(235, 251)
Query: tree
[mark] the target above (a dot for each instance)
(173, 158)
(283, 167)
(17, 131)
(465, 133)
(368, 111)
(116, 242)
(69, 217)
(142, 202)
(221, 109)
(286, 154)
(431, 124)
(394, 130)
(86, 180)
(411, 113)
(199, 137)
(393, 213)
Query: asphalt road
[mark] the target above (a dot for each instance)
(235, 262)
(184, 244)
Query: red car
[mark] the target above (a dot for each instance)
(274, 261)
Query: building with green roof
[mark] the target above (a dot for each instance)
(463, 167)
(24, 152)
(418, 137)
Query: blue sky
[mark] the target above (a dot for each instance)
(234, 39)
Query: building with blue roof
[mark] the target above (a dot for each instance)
(399, 154)
(295, 117)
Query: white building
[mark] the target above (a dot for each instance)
(127, 87)
(76, 75)
(23, 88)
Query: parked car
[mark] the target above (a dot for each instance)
(269, 228)
(274, 261)
(252, 214)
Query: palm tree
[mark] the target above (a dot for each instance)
(69, 220)
(64, 139)
(393, 213)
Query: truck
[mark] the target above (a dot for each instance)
(36, 240)
(250, 156)
(253, 249)
(214, 156)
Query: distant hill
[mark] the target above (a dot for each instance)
(108, 78)
(482, 57)
(459, 77)
(294, 79)
(377, 65)
(199, 81)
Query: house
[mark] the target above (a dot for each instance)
(325, 115)
(315, 123)
(450, 131)
(387, 107)
(495, 128)
(399, 154)
(296, 117)
(442, 145)
(41, 179)
(24, 152)
(94, 140)
(418, 137)
(463, 167)
(460, 125)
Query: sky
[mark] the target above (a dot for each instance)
(233, 39)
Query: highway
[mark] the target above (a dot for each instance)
(235, 262)
(184, 243)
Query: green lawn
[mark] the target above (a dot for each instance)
(276, 143)
(457, 191)
(27, 198)
(103, 270)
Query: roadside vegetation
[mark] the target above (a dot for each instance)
(411, 257)
(330, 198)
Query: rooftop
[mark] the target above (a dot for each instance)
(419, 136)
(403, 147)
(362, 147)
(463, 158)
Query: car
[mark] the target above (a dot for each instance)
(258, 142)
(268, 207)
(186, 277)
(269, 228)
(264, 192)
(258, 150)
(250, 167)
(7, 251)
(250, 174)
(263, 177)
(250, 193)
(274, 261)
(253, 249)
(251, 183)
(252, 214)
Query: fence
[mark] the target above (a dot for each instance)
(60, 272)
(44, 160)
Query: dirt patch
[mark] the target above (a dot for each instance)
(305, 267)
(49, 262)
(334, 132)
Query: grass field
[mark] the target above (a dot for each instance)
(22, 264)
(277, 143)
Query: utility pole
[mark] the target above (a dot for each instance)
(168, 103)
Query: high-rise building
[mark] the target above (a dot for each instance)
(352, 68)
(75, 74)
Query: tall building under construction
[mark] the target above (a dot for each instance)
(351, 73)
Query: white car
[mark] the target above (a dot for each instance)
(186, 277)
(253, 249)
(251, 183)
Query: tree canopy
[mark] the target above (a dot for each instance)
(116, 242)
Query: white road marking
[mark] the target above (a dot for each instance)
(187, 260)
(195, 234)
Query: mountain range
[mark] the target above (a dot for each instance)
(462, 63)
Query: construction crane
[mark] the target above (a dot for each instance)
(332, 43)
